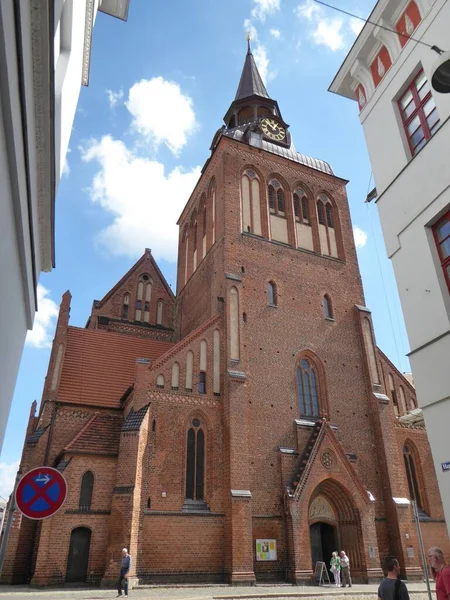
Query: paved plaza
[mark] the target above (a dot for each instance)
(223, 592)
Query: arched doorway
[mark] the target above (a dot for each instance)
(334, 524)
(323, 541)
(77, 563)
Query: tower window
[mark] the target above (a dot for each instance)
(271, 294)
(308, 399)
(195, 462)
(276, 198)
(329, 215)
(320, 214)
(326, 218)
(301, 210)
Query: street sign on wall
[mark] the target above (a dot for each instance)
(41, 493)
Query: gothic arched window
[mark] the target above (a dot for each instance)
(251, 205)
(125, 306)
(411, 475)
(301, 210)
(159, 313)
(276, 198)
(308, 397)
(326, 218)
(195, 462)
(87, 487)
(271, 294)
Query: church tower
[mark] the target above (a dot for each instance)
(266, 238)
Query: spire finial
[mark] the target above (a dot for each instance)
(249, 37)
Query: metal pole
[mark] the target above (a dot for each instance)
(422, 550)
(12, 508)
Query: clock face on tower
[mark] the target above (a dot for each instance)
(273, 130)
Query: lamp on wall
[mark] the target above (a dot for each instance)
(440, 79)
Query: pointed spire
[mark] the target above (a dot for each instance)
(250, 83)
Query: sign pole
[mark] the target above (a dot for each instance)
(422, 550)
(5, 536)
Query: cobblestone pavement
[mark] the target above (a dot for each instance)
(225, 592)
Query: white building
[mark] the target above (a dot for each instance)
(407, 129)
(45, 50)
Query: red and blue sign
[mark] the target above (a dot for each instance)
(41, 493)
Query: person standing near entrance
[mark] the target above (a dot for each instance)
(345, 570)
(392, 588)
(335, 568)
(441, 572)
(125, 567)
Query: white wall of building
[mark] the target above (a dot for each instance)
(35, 37)
(413, 192)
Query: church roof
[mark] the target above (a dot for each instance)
(100, 365)
(100, 435)
(250, 83)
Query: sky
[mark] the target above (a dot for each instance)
(159, 86)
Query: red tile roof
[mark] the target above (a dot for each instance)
(100, 435)
(99, 366)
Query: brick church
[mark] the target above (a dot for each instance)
(245, 428)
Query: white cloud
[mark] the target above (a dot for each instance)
(359, 236)
(263, 8)
(66, 168)
(356, 25)
(275, 33)
(44, 320)
(114, 97)
(161, 113)
(144, 201)
(7, 478)
(328, 32)
(333, 33)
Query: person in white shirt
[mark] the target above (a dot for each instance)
(345, 570)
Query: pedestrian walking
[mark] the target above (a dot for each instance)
(392, 587)
(125, 567)
(335, 568)
(346, 578)
(440, 571)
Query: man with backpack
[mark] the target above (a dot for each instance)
(392, 588)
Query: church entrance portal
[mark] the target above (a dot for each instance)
(323, 542)
(77, 563)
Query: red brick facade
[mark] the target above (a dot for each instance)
(237, 417)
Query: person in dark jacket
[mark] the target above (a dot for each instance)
(125, 567)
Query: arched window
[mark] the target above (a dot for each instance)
(393, 394)
(87, 487)
(203, 367)
(246, 115)
(216, 362)
(402, 403)
(125, 305)
(159, 313)
(175, 376)
(327, 307)
(301, 210)
(195, 462)
(234, 324)
(160, 382)
(276, 198)
(189, 370)
(204, 221)
(308, 399)
(411, 475)
(271, 294)
(326, 219)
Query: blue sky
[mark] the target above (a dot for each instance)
(159, 87)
